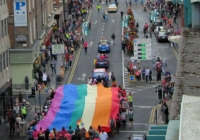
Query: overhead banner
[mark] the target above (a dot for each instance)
(20, 13)
(58, 49)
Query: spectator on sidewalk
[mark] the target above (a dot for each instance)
(130, 117)
(48, 81)
(53, 67)
(154, 62)
(70, 60)
(147, 71)
(132, 60)
(103, 135)
(44, 79)
(12, 122)
(23, 110)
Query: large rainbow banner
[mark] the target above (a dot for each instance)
(92, 104)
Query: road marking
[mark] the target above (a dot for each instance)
(103, 29)
(143, 106)
(175, 53)
(128, 131)
(77, 57)
(74, 66)
(103, 26)
(102, 32)
(139, 123)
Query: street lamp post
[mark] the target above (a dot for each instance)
(39, 88)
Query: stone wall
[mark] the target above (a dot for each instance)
(188, 70)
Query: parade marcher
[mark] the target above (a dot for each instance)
(130, 100)
(85, 45)
(103, 135)
(98, 7)
(118, 122)
(114, 84)
(112, 125)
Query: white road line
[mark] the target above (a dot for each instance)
(103, 29)
(103, 26)
(134, 106)
(102, 32)
(127, 131)
(139, 123)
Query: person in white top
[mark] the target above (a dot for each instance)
(147, 74)
(103, 135)
(90, 81)
(44, 78)
(18, 119)
(132, 59)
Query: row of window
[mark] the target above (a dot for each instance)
(4, 60)
(3, 28)
(2, 2)
(32, 26)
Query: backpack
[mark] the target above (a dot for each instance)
(130, 115)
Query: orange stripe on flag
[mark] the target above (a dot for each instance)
(103, 106)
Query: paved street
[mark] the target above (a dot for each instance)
(144, 96)
(105, 29)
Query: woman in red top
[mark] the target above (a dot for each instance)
(35, 134)
(58, 135)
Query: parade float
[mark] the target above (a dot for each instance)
(130, 31)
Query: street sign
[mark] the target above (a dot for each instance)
(132, 77)
(142, 49)
(58, 49)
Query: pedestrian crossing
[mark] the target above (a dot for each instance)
(136, 87)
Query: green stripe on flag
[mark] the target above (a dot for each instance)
(79, 105)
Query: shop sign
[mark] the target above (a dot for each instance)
(58, 49)
(48, 36)
(20, 13)
(21, 38)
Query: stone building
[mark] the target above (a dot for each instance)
(5, 72)
(30, 28)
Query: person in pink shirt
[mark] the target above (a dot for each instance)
(63, 132)
(35, 134)
(102, 57)
(68, 136)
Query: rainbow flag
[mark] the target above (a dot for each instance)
(46, 89)
(96, 131)
(94, 104)
(80, 123)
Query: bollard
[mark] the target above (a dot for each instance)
(156, 114)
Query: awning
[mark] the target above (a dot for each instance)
(174, 39)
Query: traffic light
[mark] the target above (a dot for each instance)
(33, 92)
(159, 92)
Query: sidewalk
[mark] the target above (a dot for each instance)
(160, 115)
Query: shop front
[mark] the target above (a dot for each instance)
(6, 98)
(22, 64)
(58, 17)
